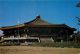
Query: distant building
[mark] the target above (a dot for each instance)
(36, 30)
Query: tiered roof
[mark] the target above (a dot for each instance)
(37, 22)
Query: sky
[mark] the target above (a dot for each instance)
(13, 12)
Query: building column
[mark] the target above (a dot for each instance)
(26, 35)
(52, 39)
(61, 41)
(2, 38)
(39, 39)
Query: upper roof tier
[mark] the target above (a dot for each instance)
(37, 21)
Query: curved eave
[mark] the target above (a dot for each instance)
(11, 27)
(53, 25)
(69, 27)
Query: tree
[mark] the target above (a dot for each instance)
(78, 20)
(78, 5)
(76, 36)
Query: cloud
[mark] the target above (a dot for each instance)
(1, 33)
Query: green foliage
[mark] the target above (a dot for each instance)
(78, 5)
(58, 44)
(48, 44)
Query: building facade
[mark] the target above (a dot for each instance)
(36, 30)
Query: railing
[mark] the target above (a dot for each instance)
(41, 35)
(9, 38)
(32, 37)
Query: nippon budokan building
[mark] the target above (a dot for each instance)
(36, 30)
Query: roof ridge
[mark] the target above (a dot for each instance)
(38, 21)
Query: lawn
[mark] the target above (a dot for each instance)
(37, 50)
